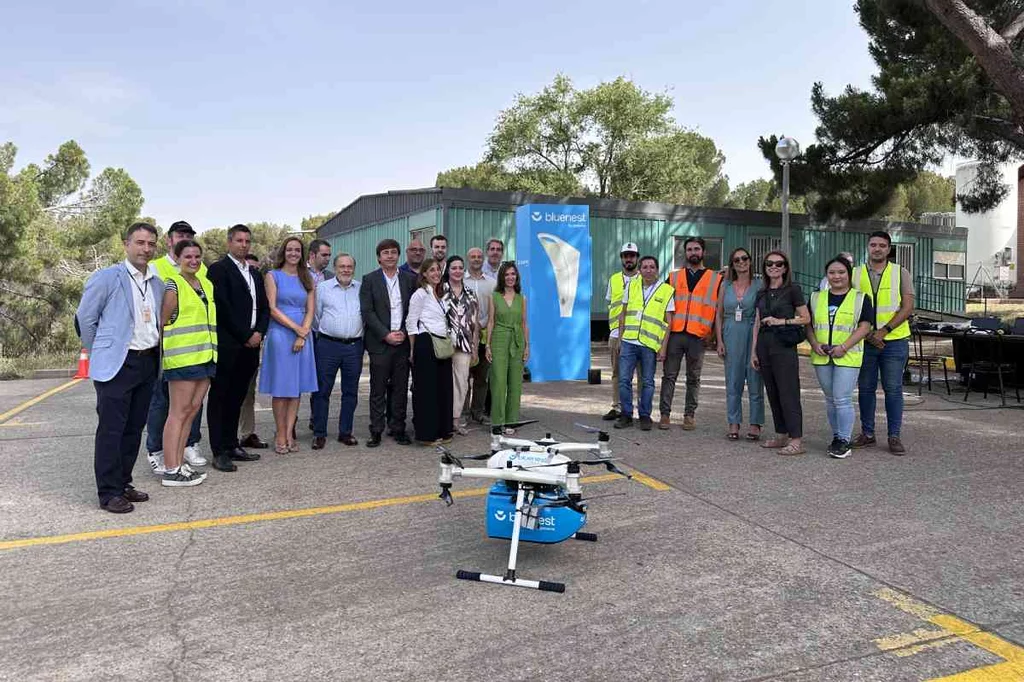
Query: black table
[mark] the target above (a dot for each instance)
(971, 345)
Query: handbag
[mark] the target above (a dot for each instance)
(443, 347)
(789, 336)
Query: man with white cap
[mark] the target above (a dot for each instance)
(618, 285)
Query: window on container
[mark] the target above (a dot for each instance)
(948, 265)
(423, 234)
(712, 253)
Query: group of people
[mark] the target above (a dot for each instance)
(856, 325)
(163, 335)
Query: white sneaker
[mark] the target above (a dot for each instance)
(193, 457)
(156, 462)
(185, 477)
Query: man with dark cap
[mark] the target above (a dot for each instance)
(165, 267)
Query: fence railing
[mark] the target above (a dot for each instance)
(942, 296)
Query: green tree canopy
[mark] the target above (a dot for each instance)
(56, 228)
(612, 140)
(932, 97)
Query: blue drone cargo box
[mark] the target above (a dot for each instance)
(552, 524)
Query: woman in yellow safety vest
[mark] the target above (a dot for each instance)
(840, 319)
(189, 352)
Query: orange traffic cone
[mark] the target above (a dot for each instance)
(83, 365)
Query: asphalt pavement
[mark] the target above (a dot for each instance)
(724, 562)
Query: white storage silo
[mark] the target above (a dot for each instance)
(992, 232)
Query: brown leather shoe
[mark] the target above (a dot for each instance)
(117, 505)
(689, 423)
(319, 442)
(896, 446)
(133, 495)
(348, 439)
(665, 422)
(863, 441)
(255, 442)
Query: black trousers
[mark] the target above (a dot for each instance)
(780, 370)
(122, 405)
(235, 369)
(389, 388)
(431, 392)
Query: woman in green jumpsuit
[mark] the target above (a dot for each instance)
(508, 346)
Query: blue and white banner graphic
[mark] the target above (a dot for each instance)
(553, 255)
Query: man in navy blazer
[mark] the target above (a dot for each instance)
(384, 303)
(119, 320)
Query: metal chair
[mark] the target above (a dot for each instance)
(924, 362)
(993, 364)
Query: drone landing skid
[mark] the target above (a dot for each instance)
(510, 574)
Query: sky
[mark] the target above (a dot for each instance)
(229, 112)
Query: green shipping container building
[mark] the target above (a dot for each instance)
(936, 255)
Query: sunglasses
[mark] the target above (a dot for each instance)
(741, 259)
(775, 263)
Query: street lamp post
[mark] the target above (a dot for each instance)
(787, 149)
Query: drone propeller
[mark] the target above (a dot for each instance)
(497, 428)
(587, 427)
(446, 453)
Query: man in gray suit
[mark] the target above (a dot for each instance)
(384, 303)
(119, 322)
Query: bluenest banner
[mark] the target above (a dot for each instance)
(553, 255)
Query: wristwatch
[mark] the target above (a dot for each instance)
(886, 327)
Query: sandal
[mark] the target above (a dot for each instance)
(293, 446)
(732, 436)
(792, 449)
(751, 436)
(777, 442)
(281, 449)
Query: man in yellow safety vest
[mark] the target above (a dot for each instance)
(891, 290)
(617, 285)
(643, 328)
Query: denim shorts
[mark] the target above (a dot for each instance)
(207, 370)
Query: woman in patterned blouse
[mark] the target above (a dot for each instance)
(464, 330)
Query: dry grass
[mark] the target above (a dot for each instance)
(23, 367)
(1007, 311)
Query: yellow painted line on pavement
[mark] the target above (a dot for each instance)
(255, 518)
(650, 482)
(38, 399)
(1012, 667)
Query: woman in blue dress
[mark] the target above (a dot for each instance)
(289, 368)
(734, 325)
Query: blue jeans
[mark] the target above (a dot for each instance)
(630, 355)
(837, 383)
(158, 406)
(332, 356)
(890, 363)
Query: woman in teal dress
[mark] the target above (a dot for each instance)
(508, 346)
(734, 327)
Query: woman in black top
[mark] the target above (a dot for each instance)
(778, 328)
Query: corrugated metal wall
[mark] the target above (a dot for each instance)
(362, 243)
(812, 248)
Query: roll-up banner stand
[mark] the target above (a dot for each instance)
(553, 255)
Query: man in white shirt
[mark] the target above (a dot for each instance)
(495, 252)
(118, 318)
(243, 315)
(482, 287)
(384, 303)
(339, 346)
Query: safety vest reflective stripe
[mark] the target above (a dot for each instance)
(889, 298)
(645, 322)
(617, 284)
(694, 310)
(192, 338)
(846, 319)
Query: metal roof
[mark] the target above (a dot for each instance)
(370, 209)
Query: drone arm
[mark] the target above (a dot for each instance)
(565, 448)
(523, 476)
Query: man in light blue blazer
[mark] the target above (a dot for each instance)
(119, 319)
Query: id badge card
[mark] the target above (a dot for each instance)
(147, 315)
(739, 314)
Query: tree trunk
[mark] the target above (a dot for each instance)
(989, 47)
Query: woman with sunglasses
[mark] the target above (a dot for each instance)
(780, 304)
(734, 329)
(840, 319)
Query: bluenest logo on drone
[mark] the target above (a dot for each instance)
(499, 515)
